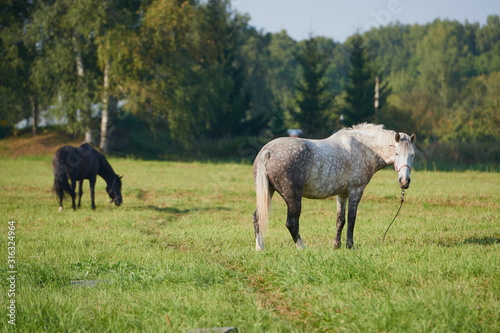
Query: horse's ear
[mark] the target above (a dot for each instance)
(398, 137)
(413, 138)
(120, 177)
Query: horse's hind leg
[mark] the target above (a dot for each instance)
(292, 220)
(61, 196)
(80, 192)
(341, 203)
(259, 239)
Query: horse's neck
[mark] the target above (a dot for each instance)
(105, 169)
(381, 142)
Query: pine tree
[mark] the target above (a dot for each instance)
(312, 97)
(361, 86)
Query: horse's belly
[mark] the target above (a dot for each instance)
(322, 190)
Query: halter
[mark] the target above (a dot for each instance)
(401, 167)
(113, 190)
(398, 169)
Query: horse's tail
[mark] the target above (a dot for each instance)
(61, 184)
(262, 191)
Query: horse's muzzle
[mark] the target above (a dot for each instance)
(117, 201)
(404, 183)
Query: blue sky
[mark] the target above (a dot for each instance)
(339, 19)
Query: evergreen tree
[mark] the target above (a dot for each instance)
(361, 86)
(312, 97)
(256, 53)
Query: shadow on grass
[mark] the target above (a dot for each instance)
(173, 210)
(485, 241)
(482, 240)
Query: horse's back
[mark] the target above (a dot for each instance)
(80, 162)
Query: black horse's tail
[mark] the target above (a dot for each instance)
(61, 184)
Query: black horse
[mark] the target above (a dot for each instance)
(81, 163)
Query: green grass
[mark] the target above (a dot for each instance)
(179, 254)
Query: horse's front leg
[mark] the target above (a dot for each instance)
(73, 194)
(354, 198)
(92, 181)
(341, 202)
(80, 193)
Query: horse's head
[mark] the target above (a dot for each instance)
(403, 159)
(115, 190)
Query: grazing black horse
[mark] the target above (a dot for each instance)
(81, 163)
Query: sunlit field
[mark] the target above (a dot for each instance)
(179, 254)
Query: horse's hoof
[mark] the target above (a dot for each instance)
(259, 242)
(300, 245)
(60, 209)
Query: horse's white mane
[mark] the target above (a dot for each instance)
(369, 132)
(367, 127)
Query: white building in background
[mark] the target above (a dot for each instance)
(294, 132)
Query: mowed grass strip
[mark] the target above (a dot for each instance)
(179, 254)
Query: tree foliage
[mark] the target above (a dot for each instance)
(313, 97)
(197, 69)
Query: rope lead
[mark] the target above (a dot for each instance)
(402, 200)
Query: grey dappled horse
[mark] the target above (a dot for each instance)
(341, 165)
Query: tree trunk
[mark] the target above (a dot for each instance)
(78, 58)
(80, 69)
(106, 114)
(376, 97)
(34, 115)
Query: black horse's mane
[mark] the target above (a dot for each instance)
(104, 164)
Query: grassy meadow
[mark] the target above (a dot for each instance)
(179, 254)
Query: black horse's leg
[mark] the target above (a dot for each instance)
(73, 194)
(341, 202)
(92, 181)
(354, 198)
(61, 197)
(80, 192)
(292, 220)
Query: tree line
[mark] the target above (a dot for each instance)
(196, 70)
